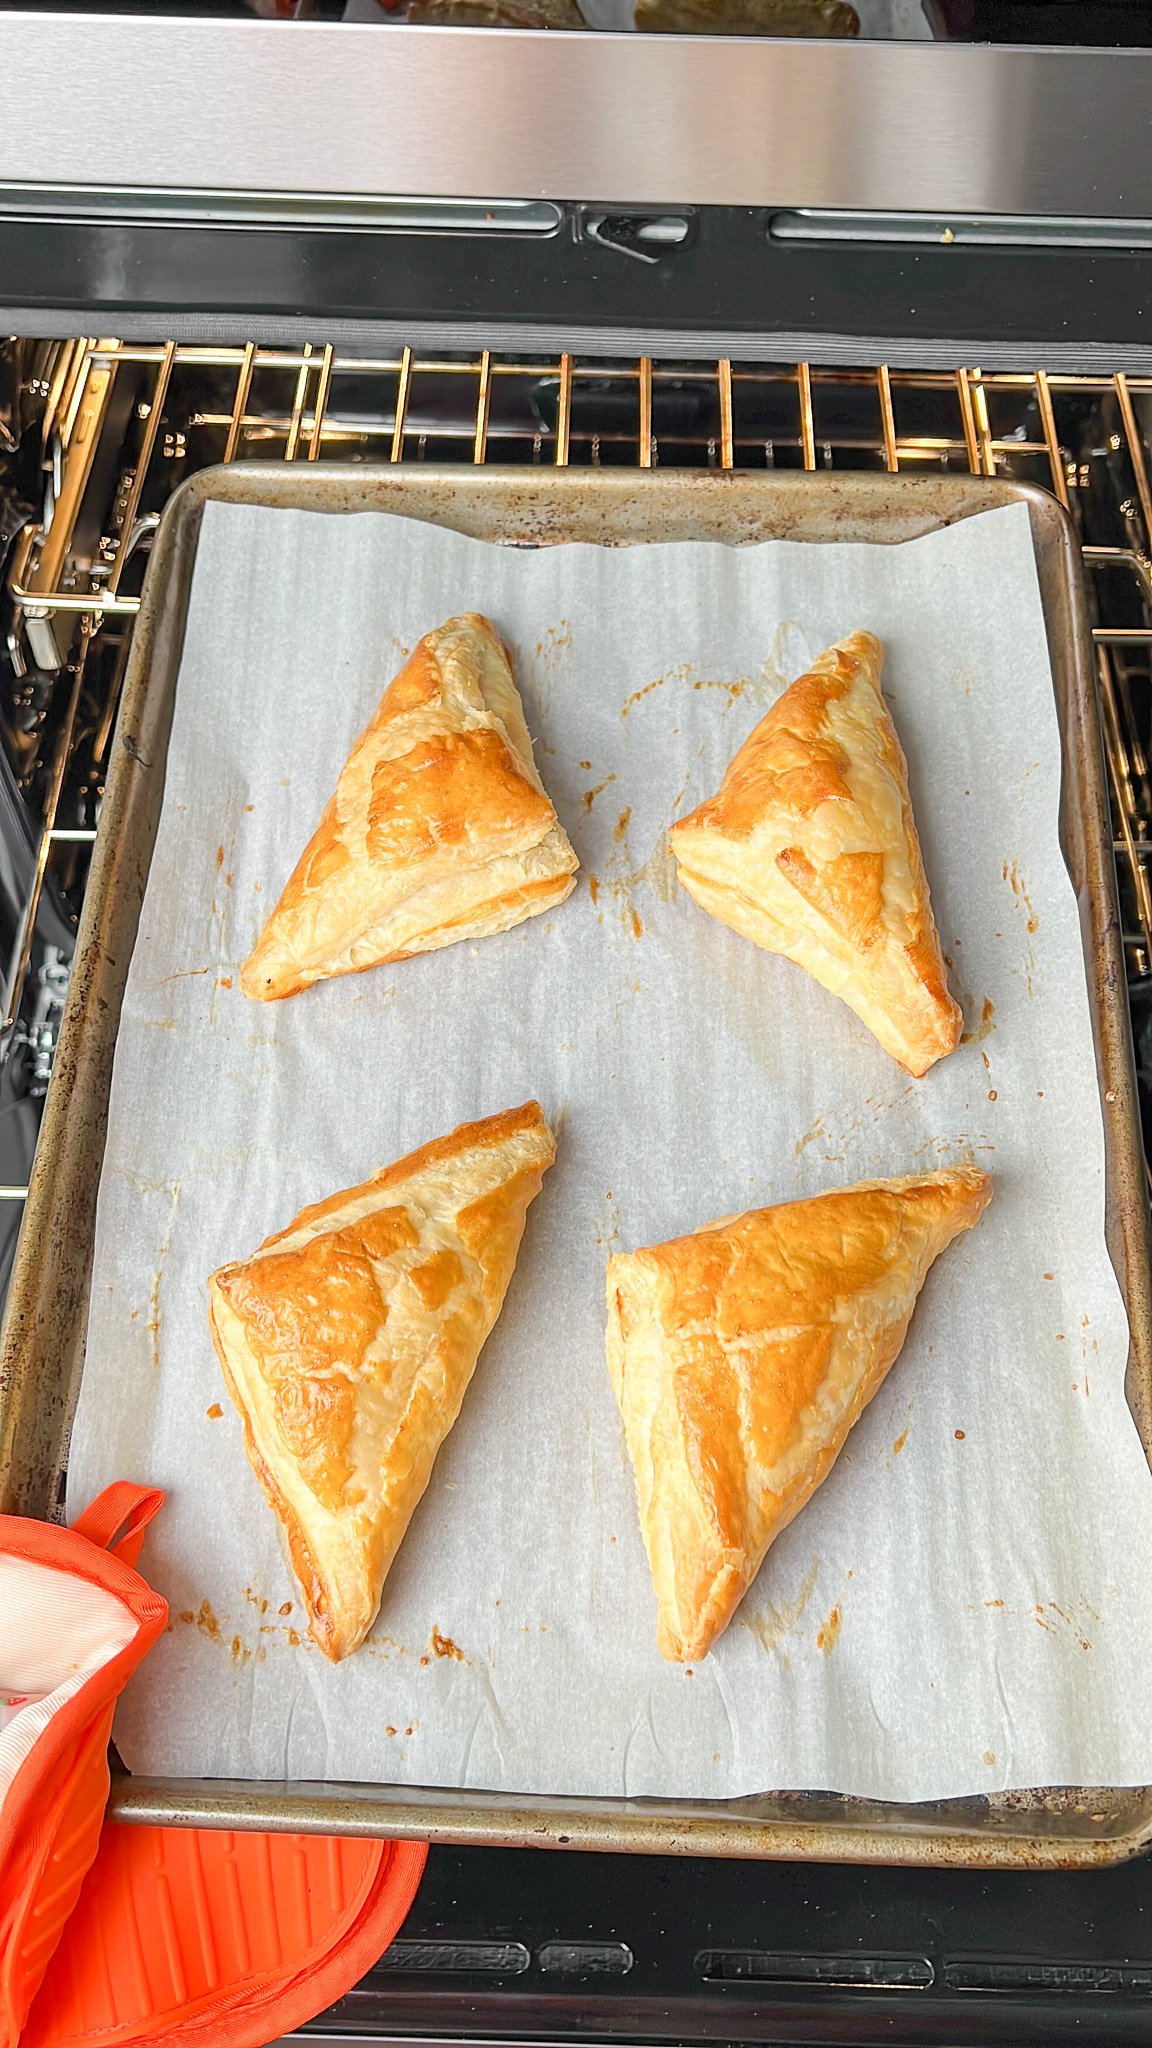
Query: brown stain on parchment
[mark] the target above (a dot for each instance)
(732, 690)
(624, 875)
(180, 974)
(684, 673)
(834, 1133)
(1056, 1620)
(203, 1619)
(1066, 1621)
(279, 1626)
(959, 1150)
(554, 643)
(378, 1644)
(535, 670)
(610, 1235)
(981, 1027)
(590, 795)
(165, 1246)
(979, 1023)
(1011, 874)
(1089, 1354)
(1015, 880)
(218, 919)
(773, 1624)
(827, 1636)
(659, 872)
(763, 688)
(638, 695)
(902, 1439)
(443, 1646)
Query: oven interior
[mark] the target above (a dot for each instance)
(95, 434)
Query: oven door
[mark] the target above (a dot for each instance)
(938, 197)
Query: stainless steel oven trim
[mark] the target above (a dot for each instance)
(148, 102)
(220, 206)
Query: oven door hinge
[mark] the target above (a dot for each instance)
(646, 237)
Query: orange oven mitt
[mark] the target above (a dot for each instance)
(75, 1620)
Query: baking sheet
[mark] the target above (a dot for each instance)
(964, 1606)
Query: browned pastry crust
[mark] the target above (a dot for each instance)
(742, 1355)
(748, 17)
(348, 1340)
(810, 849)
(440, 827)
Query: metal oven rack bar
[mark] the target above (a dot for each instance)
(1084, 437)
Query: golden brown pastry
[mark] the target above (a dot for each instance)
(748, 17)
(348, 1342)
(809, 848)
(741, 1357)
(440, 827)
(496, 13)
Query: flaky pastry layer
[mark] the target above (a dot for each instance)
(809, 848)
(348, 1341)
(742, 1355)
(439, 829)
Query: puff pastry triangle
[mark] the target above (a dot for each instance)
(440, 827)
(348, 1342)
(810, 849)
(741, 1356)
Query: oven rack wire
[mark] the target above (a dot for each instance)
(122, 424)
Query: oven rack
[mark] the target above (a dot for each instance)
(122, 424)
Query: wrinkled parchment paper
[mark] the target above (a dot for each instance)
(967, 1603)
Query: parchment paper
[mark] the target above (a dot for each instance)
(967, 1603)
